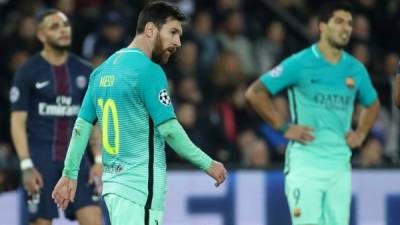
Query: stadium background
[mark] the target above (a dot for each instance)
(226, 45)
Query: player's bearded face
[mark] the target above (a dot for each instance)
(167, 41)
(160, 55)
(57, 32)
(339, 29)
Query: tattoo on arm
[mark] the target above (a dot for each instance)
(77, 132)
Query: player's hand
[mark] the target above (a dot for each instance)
(218, 172)
(95, 174)
(32, 180)
(354, 139)
(300, 134)
(64, 192)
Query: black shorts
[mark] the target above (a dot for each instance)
(51, 172)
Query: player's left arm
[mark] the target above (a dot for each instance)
(368, 99)
(154, 94)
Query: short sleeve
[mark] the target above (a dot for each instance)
(20, 90)
(155, 95)
(88, 107)
(282, 76)
(366, 93)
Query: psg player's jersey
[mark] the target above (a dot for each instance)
(51, 95)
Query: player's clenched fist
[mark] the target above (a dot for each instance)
(64, 192)
(218, 172)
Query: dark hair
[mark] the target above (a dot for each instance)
(158, 12)
(46, 13)
(329, 9)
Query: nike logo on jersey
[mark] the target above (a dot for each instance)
(40, 85)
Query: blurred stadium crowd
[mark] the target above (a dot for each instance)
(226, 45)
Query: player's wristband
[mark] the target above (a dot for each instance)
(285, 127)
(26, 164)
(98, 159)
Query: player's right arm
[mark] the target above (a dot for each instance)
(19, 98)
(259, 95)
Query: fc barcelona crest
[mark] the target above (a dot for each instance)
(350, 82)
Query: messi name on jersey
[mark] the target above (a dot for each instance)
(63, 107)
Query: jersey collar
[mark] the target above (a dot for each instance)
(318, 54)
(133, 50)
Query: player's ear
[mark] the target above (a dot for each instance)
(40, 36)
(322, 27)
(150, 29)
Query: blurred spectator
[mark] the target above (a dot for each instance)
(203, 34)
(256, 154)
(312, 28)
(361, 28)
(227, 74)
(189, 91)
(9, 177)
(253, 150)
(110, 37)
(386, 93)
(232, 38)
(185, 61)
(23, 36)
(186, 6)
(269, 49)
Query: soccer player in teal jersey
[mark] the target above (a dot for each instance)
(128, 95)
(323, 83)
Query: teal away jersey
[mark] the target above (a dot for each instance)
(128, 95)
(321, 96)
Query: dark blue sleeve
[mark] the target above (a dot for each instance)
(20, 90)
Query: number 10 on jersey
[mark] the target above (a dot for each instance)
(105, 108)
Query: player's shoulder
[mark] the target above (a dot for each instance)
(156, 68)
(32, 64)
(353, 63)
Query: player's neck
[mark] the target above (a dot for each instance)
(54, 57)
(143, 44)
(330, 53)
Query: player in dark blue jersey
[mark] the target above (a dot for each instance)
(46, 96)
